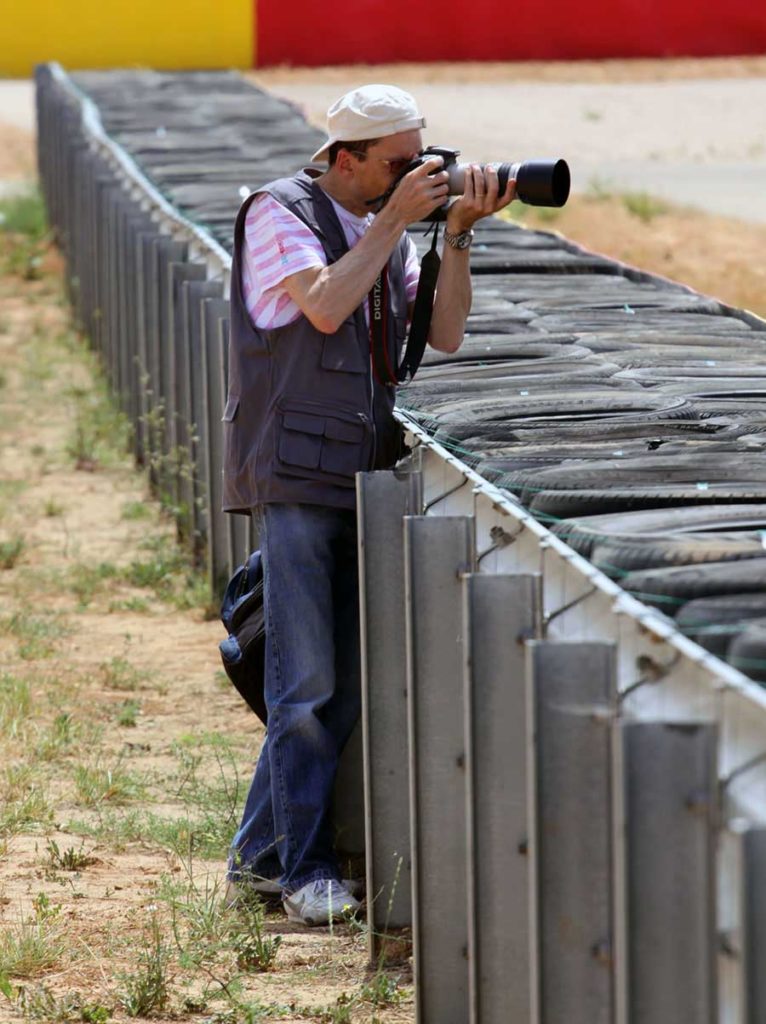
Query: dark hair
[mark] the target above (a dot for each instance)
(359, 147)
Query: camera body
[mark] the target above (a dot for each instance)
(538, 182)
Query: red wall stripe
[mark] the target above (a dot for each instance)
(375, 31)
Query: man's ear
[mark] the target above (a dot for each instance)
(345, 162)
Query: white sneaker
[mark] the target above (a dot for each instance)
(320, 902)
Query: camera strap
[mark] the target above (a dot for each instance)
(384, 372)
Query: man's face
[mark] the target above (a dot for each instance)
(384, 162)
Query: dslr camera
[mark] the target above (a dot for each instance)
(538, 182)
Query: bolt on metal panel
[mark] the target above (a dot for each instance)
(671, 797)
(572, 698)
(214, 313)
(755, 924)
(383, 499)
(500, 613)
(438, 551)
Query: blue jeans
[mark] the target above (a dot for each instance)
(312, 690)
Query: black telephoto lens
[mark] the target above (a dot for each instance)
(541, 182)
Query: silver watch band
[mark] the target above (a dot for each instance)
(458, 241)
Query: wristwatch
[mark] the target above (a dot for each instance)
(459, 241)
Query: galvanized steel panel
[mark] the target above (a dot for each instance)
(500, 614)
(383, 499)
(671, 797)
(438, 550)
(572, 696)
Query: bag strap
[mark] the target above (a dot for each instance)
(419, 328)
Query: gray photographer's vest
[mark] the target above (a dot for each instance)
(304, 413)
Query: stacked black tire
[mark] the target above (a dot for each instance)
(626, 411)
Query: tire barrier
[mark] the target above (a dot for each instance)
(538, 746)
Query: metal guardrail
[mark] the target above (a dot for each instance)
(563, 794)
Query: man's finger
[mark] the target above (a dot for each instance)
(493, 185)
(433, 163)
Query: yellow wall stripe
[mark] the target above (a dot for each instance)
(166, 34)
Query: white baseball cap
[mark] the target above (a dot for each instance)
(371, 112)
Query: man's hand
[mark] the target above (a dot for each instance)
(419, 193)
(480, 198)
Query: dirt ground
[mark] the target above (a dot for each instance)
(125, 753)
(117, 796)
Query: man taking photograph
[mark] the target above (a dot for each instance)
(306, 411)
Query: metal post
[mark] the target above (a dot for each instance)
(671, 805)
(214, 313)
(755, 924)
(572, 695)
(438, 551)
(193, 294)
(383, 499)
(500, 613)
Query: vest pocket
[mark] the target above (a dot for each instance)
(318, 443)
(300, 440)
(341, 446)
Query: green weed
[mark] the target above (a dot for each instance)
(40, 1004)
(168, 572)
(15, 701)
(9, 493)
(52, 508)
(34, 944)
(25, 233)
(130, 604)
(57, 738)
(11, 551)
(382, 990)
(96, 784)
(102, 433)
(643, 206)
(119, 674)
(31, 811)
(24, 214)
(136, 510)
(147, 988)
(69, 859)
(127, 713)
(86, 581)
(37, 634)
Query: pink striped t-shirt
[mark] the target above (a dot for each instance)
(277, 245)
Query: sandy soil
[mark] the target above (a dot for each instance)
(127, 726)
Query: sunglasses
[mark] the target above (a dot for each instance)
(395, 165)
